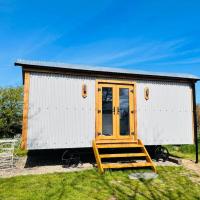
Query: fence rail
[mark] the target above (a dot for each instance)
(7, 147)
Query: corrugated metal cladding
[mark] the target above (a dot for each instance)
(166, 118)
(59, 117)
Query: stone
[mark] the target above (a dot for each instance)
(143, 175)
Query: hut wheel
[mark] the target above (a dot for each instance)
(161, 153)
(70, 159)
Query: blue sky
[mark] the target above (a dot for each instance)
(146, 35)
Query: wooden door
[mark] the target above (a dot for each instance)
(114, 111)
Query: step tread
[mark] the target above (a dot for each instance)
(116, 141)
(126, 165)
(121, 145)
(121, 155)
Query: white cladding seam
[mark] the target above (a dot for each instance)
(59, 117)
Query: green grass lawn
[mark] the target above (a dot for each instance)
(172, 183)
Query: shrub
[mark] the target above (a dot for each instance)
(11, 103)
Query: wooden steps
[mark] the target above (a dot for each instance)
(116, 146)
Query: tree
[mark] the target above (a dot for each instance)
(11, 103)
(198, 115)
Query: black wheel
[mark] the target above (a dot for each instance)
(70, 159)
(75, 160)
(161, 153)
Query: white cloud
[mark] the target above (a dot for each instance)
(119, 52)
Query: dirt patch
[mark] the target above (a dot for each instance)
(194, 167)
(21, 169)
(166, 163)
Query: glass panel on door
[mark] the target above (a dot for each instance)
(107, 111)
(124, 111)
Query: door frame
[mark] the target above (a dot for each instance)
(97, 119)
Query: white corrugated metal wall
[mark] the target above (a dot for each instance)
(58, 115)
(166, 118)
(60, 118)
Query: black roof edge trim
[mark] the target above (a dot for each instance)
(103, 73)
